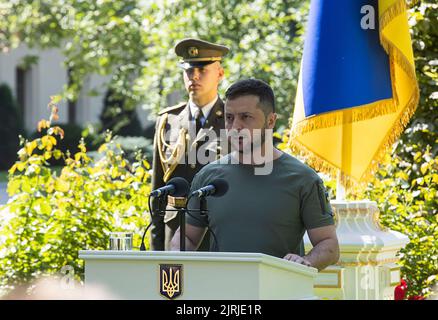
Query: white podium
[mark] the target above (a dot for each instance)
(197, 275)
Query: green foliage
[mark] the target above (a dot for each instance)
(11, 126)
(130, 145)
(52, 216)
(405, 187)
(422, 131)
(411, 207)
(133, 40)
(116, 118)
(69, 143)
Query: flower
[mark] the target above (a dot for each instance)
(400, 290)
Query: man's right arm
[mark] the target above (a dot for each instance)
(194, 236)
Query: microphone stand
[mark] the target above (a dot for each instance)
(159, 210)
(161, 206)
(182, 221)
(182, 217)
(182, 229)
(203, 211)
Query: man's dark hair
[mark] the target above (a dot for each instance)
(254, 87)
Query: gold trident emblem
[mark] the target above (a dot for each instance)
(171, 281)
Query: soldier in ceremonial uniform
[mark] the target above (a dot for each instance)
(182, 128)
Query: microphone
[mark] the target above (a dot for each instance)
(217, 188)
(178, 187)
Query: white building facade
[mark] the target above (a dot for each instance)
(33, 86)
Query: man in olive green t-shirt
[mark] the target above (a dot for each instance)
(266, 213)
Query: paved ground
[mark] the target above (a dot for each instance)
(3, 194)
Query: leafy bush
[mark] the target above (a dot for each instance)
(410, 206)
(50, 217)
(11, 126)
(130, 145)
(72, 135)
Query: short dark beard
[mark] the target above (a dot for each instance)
(262, 140)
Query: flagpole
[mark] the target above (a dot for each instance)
(340, 190)
(346, 153)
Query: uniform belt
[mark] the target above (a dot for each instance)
(177, 202)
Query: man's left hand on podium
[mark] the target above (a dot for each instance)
(296, 258)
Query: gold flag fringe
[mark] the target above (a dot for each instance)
(393, 134)
(322, 165)
(398, 8)
(336, 118)
(364, 112)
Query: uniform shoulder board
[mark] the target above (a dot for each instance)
(172, 108)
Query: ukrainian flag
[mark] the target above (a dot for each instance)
(357, 88)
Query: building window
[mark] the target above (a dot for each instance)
(20, 89)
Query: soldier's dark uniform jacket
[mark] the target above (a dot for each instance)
(174, 139)
(177, 141)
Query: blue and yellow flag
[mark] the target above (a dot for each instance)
(357, 88)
